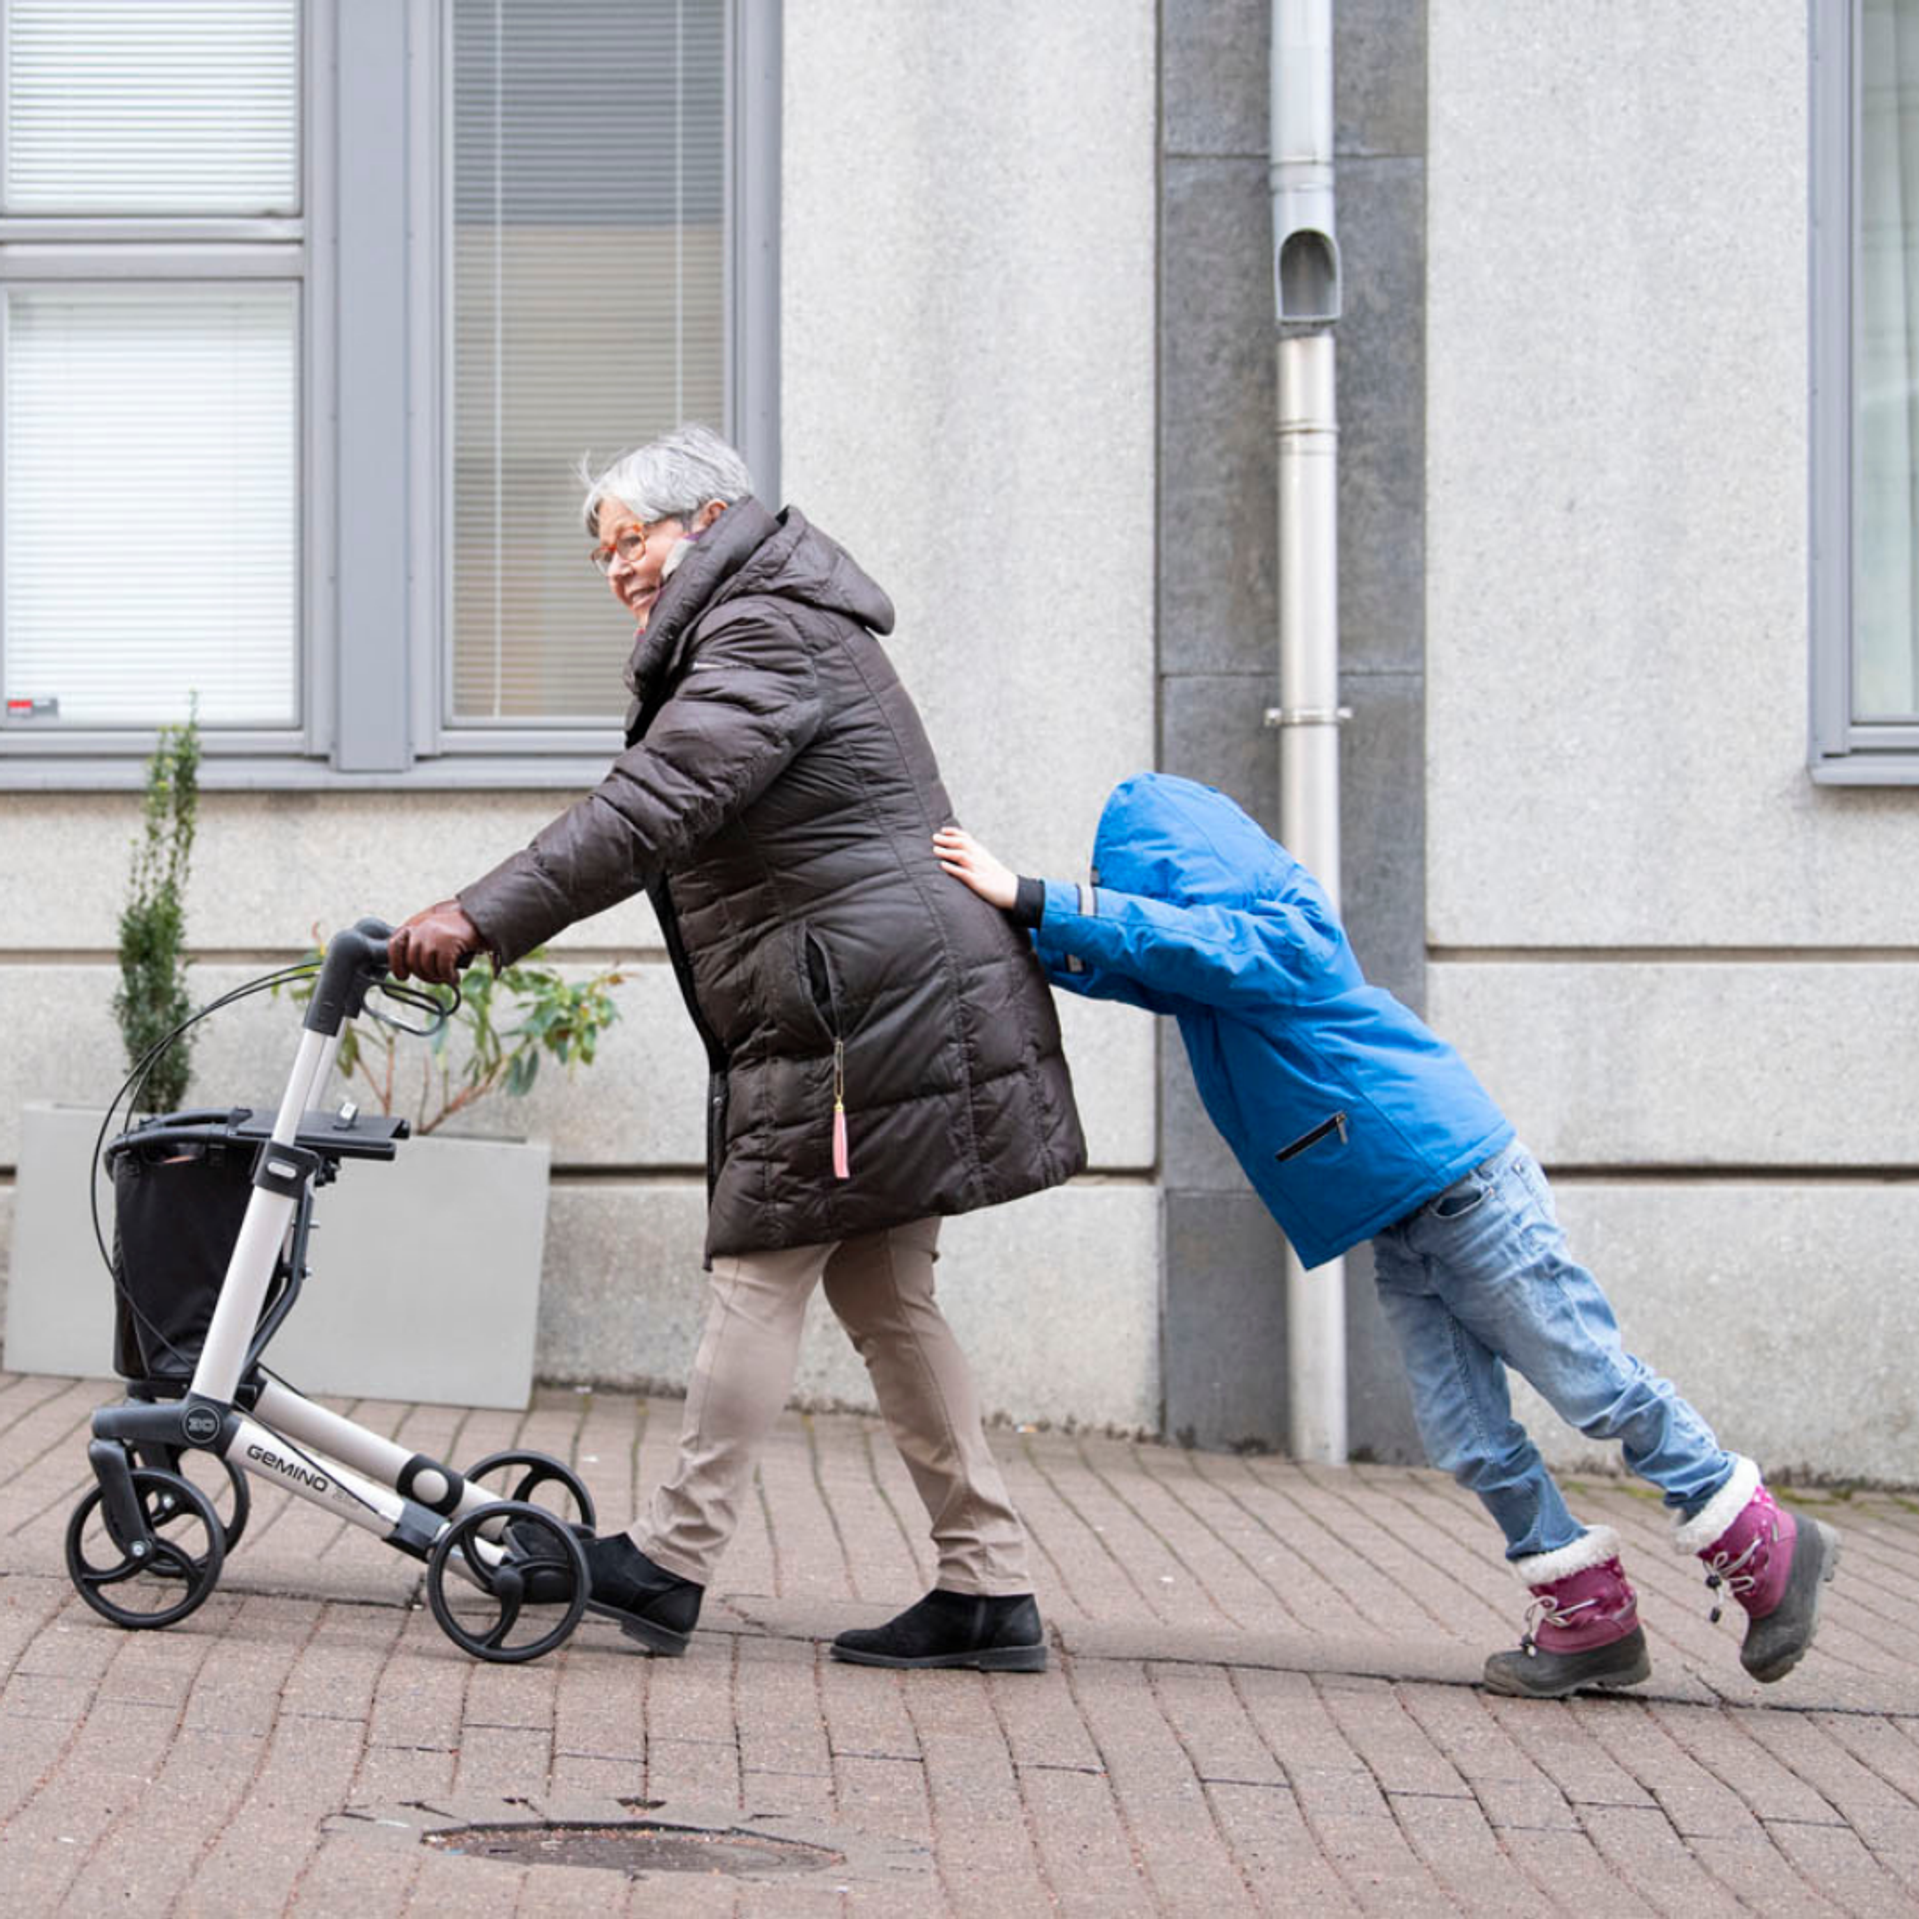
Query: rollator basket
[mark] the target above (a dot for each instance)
(180, 1189)
(181, 1184)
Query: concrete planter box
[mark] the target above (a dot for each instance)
(425, 1281)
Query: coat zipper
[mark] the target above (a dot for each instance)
(1336, 1124)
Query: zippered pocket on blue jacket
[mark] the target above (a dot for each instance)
(1337, 1124)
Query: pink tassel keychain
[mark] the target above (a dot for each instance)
(839, 1110)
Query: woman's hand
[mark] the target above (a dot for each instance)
(431, 945)
(961, 855)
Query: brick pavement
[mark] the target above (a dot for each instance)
(1262, 1699)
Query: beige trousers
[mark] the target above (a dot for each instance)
(881, 1287)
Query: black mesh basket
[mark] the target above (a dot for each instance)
(180, 1190)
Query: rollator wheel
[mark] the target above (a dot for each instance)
(507, 1582)
(537, 1470)
(161, 1586)
(224, 1484)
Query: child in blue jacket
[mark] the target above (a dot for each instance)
(1354, 1121)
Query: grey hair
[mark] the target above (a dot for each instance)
(670, 478)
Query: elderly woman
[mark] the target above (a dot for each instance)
(882, 1044)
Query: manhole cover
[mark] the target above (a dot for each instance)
(637, 1848)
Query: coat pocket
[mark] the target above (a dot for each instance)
(820, 982)
(822, 991)
(1311, 1138)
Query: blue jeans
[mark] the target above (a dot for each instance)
(1479, 1279)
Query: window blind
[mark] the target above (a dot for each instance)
(151, 549)
(1885, 683)
(588, 291)
(138, 107)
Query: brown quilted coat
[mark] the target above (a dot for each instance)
(777, 799)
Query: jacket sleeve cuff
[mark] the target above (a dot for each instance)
(1063, 903)
(505, 908)
(1029, 908)
(1067, 899)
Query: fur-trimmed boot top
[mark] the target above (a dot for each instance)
(1582, 1628)
(1774, 1565)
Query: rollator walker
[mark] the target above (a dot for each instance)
(214, 1208)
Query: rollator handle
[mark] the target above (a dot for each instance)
(355, 960)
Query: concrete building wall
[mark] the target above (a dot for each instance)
(1686, 970)
(967, 396)
(1218, 640)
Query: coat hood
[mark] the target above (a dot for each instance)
(748, 550)
(1165, 838)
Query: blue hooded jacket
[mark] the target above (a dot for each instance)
(1345, 1110)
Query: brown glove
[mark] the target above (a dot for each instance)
(431, 945)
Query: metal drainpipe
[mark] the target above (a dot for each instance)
(1306, 289)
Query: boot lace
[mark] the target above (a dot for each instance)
(1547, 1611)
(1726, 1573)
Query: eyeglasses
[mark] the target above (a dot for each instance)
(628, 547)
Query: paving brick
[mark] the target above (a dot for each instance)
(1154, 1483)
(1299, 1511)
(1214, 1731)
(1511, 1790)
(306, 1774)
(1216, 1490)
(1139, 1560)
(1040, 1720)
(811, 1558)
(1462, 1853)
(981, 1831)
(1570, 1872)
(346, 1875)
(1838, 1866)
(1263, 1703)
(1642, 1847)
(889, 1555)
(1372, 1719)
(1082, 1842)
(100, 1775)
(1690, 1796)
(1756, 1873)
(864, 1708)
(1554, 1736)
(1162, 1800)
(152, 1849)
(785, 1761)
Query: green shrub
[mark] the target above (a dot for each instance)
(152, 998)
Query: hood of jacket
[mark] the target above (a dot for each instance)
(1165, 838)
(750, 551)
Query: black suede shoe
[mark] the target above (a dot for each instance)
(954, 1629)
(649, 1603)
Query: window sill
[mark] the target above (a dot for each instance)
(1867, 769)
(559, 772)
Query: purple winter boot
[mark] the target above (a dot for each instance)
(1583, 1625)
(1774, 1565)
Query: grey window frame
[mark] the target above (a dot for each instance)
(1842, 751)
(375, 457)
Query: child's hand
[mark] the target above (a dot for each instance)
(961, 855)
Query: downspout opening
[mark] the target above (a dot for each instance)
(1308, 278)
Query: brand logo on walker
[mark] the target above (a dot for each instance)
(202, 1425)
(292, 1468)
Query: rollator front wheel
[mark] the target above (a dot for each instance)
(156, 1580)
(537, 1470)
(232, 1502)
(518, 1583)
